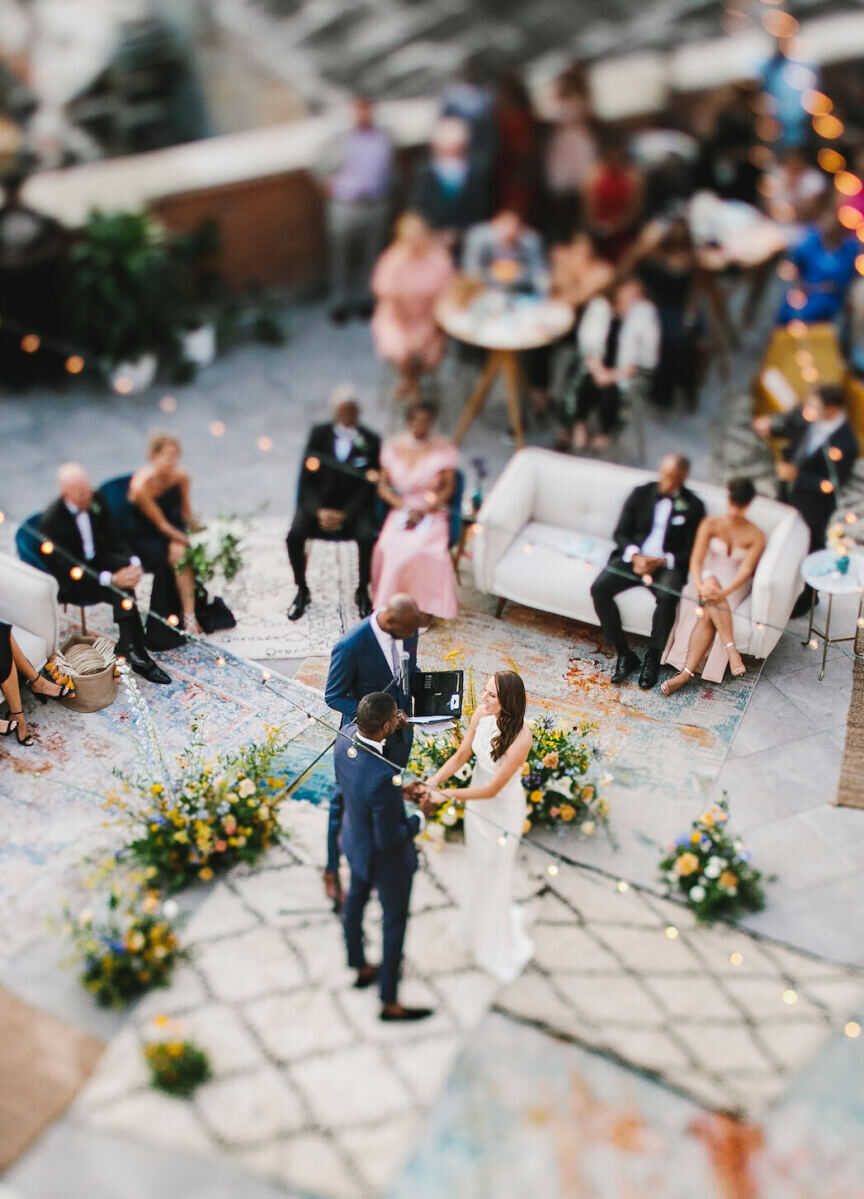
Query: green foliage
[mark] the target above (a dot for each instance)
(712, 868)
(177, 1067)
(213, 551)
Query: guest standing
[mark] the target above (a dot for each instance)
(80, 528)
(617, 337)
(820, 452)
(468, 100)
(336, 495)
(516, 168)
(418, 474)
(379, 654)
(159, 494)
(570, 158)
(653, 541)
(724, 559)
(14, 662)
(450, 189)
(358, 212)
(613, 200)
(824, 262)
(378, 839)
(409, 280)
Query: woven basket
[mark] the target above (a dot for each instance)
(89, 663)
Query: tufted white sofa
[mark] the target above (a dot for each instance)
(545, 532)
(28, 601)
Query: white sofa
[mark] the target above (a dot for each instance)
(28, 601)
(545, 532)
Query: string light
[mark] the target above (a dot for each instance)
(74, 364)
(852, 1030)
(217, 428)
(622, 886)
(47, 547)
(168, 404)
(173, 619)
(220, 661)
(265, 675)
(849, 217)
(835, 453)
(735, 959)
(859, 264)
(647, 580)
(830, 160)
(264, 444)
(671, 932)
(826, 486)
(847, 183)
(397, 780)
(373, 476)
(527, 549)
(796, 328)
(30, 344)
(552, 869)
(502, 840)
(2, 517)
(352, 751)
(76, 572)
(850, 518)
(817, 104)
(700, 611)
(813, 643)
(127, 604)
(828, 127)
(312, 464)
(123, 384)
(790, 997)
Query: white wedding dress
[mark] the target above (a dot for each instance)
(493, 922)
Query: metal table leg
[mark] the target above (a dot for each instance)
(826, 637)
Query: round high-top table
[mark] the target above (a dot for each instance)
(503, 325)
(818, 571)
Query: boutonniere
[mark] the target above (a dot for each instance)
(681, 504)
(94, 508)
(359, 442)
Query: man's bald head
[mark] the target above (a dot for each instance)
(74, 485)
(401, 618)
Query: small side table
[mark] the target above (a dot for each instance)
(831, 582)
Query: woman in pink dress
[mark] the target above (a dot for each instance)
(724, 559)
(409, 279)
(412, 556)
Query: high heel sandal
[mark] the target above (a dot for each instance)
(11, 726)
(28, 740)
(738, 674)
(64, 692)
(191, 626)
(664, 687)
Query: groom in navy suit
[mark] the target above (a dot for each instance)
(379, 654)
(378, 840)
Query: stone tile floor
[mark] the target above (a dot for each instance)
(780, 773)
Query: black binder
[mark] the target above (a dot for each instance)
(437, 693)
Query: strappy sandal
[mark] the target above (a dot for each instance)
(11, 726)
(64, 692)
(738, 674)
(665, 688)
(29, 739)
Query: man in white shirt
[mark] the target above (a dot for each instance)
(336, 495)
(92, 563)
(653, 539)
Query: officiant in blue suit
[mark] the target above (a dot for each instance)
(379, 654)
(378, 840)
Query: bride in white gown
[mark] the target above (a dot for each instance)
(495, 814)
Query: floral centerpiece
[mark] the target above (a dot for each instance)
(215, 813)
(214, 552)
(712, 868)
(177, 1066)
(558, 777)
(126, 953)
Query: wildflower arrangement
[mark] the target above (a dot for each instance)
(177, 1066)
(214, 552)
(127, 953)
(558, 776)
(212, 815)
(712, 868)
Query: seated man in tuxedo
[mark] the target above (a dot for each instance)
(379, 654)
(818, 457)
(79, 526)
(653, 539)
(336, 499)
(378, 839)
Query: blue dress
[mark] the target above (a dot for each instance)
(150, 543)
(819, 265)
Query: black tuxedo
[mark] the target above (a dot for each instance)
(339, 485)
(634, 526)
(814, 468)
(111, 552)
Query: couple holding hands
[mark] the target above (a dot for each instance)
(368, 683)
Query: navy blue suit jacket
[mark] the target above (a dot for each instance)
(377, 832)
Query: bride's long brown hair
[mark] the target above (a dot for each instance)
(511, 718)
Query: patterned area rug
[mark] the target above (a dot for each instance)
(262, 592)
(268, 995)
(53, 792)
(850, 789)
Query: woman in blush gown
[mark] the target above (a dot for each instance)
(495, 813)
(725, 555)
(412, 556)
(409, 279)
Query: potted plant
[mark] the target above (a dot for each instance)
(122, 296)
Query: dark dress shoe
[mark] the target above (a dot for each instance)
(397, 1013)
(364, 310)
(143, 664)
(366, 977)
(301, 599)
(363, 602)
(650, 671)
(625, 666)
(339, 315)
